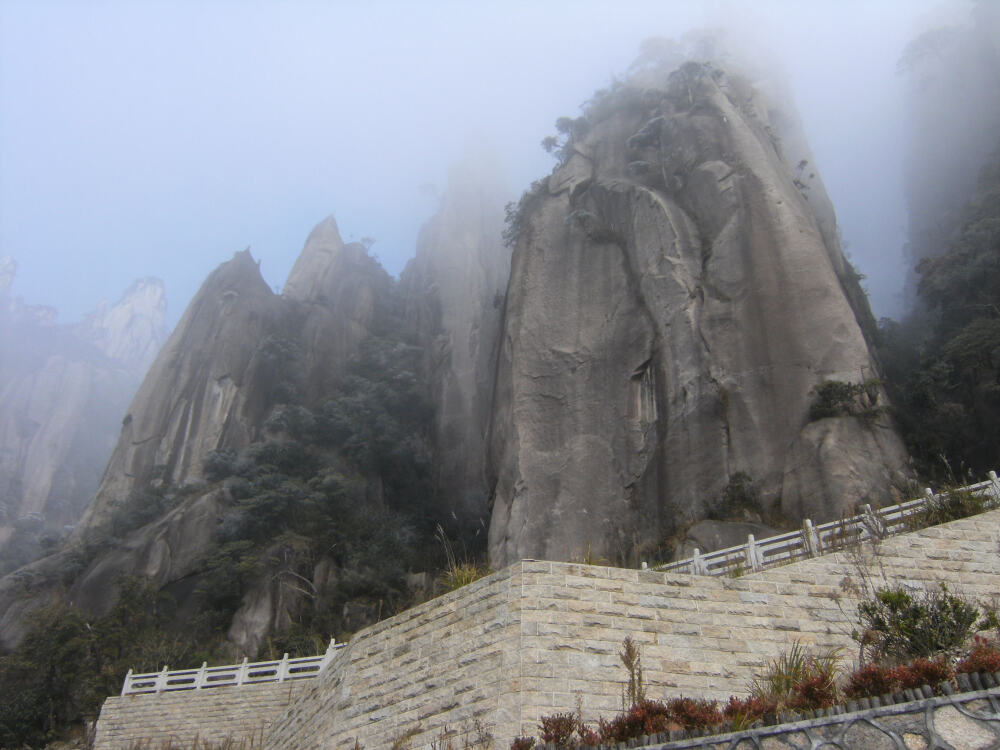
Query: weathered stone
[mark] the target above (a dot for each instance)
(452, 291)
(211, 388)
(657, 341)
(864, 734)
(961, 731)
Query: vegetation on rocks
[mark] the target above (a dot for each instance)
(334, 505)
(838, 399)
(68, 664)
(942, 364)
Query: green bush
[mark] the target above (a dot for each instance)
(834, 398)
(897, 625)
(948, 506)
(67, 665)
(739, 499)
(797, 679)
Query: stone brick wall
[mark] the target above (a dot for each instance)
(179, 717)
(538, 637)
(441, 666)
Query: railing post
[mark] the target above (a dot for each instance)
(752, 558)
(128, 681)
(810, 540)
(328, 656)
(199, 680)
(161, 679)
(876, 529)
(283, 668)
(241, 673)
(698, 567)
(994, 488)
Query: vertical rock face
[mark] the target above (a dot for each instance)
(453, 291)
(672, 303)
(63, 389)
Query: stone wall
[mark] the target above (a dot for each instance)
(538, 637)
(441, 666)
(180, 716)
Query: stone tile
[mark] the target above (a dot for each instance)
(960, 731)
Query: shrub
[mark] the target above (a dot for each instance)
(645, 717)
(838, 399)
(870, 680)
(984, 657)
(743, 712)
(522, 743)
(924, 672)
(588, 736)
(898, 626)
(817, 691)
(739, 500)
(694, 714)
(949, 506)
(457, 573)
(796, 679)
(558, 728)
(218, 464)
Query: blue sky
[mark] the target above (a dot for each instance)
(157, 138)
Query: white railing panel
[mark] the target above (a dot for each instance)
(813, 540)
(230, 675)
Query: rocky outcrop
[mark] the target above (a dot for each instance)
(63, 390)
(673, 302)
(238, 350)
(453, 293)
(131, 332)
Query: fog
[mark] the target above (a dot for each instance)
(158, 138)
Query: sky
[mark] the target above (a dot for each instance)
(158, 138)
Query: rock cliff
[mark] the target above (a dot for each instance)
(238, 350)
(453, 294)
(241, 360)
(673, 302)
(63, 390)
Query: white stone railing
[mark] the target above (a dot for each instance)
(230, 675)
(812, 541)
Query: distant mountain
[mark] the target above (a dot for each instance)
(63, 391)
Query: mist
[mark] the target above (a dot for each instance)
(158, 138)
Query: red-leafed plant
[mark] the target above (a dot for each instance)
(694, 714)
(818, 691)
(871, 680)
(743, 712)
(522, 743)
(984, 657)
(924, 672)
(558, 728)
(588, 736)
(645, 717)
